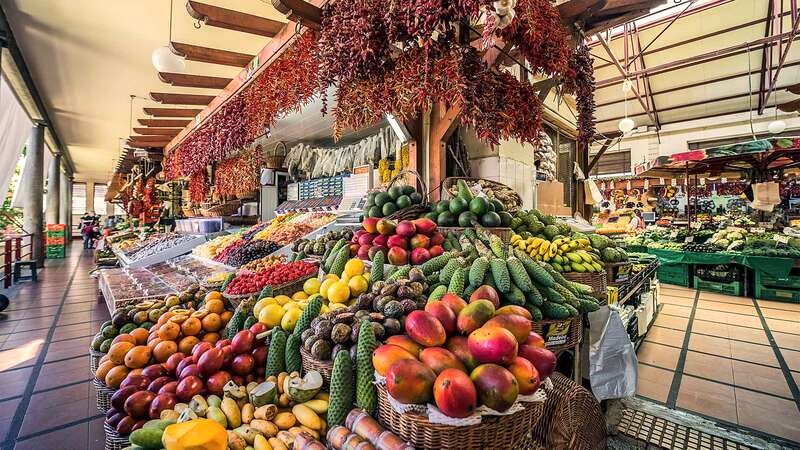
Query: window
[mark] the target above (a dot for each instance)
(612, 162)
(100, 199)
(78, 198)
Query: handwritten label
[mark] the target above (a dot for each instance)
(757, 230)
(781, 239)
(689, 239)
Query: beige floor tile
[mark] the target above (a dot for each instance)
(729, 318)
(786, 340)
(679, 301)
(675, 310)
(706, 397)
(761, 378)
(710, 344)
(675, 287)
(796, 376)
(675, 293)
(710, 328)
(760, 354)
(780, 314)
(769, 414)
(779, 305)
(792, 359)
(724, 298)
(659, 355)
(756, 336)
(666, 336)
(708, 366)
(726, 307)
(653, 383)
(784, 326)
(674, 322)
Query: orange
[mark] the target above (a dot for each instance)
(115, 376)
(213, 295)
(141, 335)
(212, 322)
(186, 344)
(118, 351)
(124, 337)
(211, 337)
(103, 368)
(215, 305)
(226, 316)
(164, 350)
(169, 331)
(138, 357)
(191, 326)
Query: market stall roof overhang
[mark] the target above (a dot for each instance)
(695, 59)
(729, 161)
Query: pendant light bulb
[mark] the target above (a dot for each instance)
(626, 125)
(776, 126)
(162, 57)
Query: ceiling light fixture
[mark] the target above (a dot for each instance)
(163, 59)
(777, 125)
(627, 124)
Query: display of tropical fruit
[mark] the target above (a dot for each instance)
(405, 242)
(275, 275)
(466, 209)
(494, 191)
(563, 254)
(213, 247)
(382, 204)
(319, 245)
(362, 431)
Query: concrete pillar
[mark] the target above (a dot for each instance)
(65, 201)
(53, 190)
(90, 197)
(33, 216)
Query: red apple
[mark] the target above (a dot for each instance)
(437, 239)
(381, 240)
(397, 241)
(363, 251)
(406, 228)
(365, 239)
(242, 364)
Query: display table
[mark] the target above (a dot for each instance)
(771, 265)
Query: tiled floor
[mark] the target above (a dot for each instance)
(46, 400)
(711, 354)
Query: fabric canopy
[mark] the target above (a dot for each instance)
(15, 127)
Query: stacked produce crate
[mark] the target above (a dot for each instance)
(56, 240)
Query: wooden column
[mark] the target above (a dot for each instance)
(443, 123)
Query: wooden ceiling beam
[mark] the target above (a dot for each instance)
(195, 81)
(215, 16)
(136, 138)
(140, 144)
(157, 131)
(300, 11)
(210, 55)
(167, 123)
(171, 112)
(168, 98)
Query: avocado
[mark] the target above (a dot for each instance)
(375, 211)
(446, 219)
(498, 206)
(389, 208)
(395, 192)
(491, 219)
(110, 331)
(478, 206)
(381, 199)
(105, 346)
(408, 190)
(458, 205)
(443, 206)
(97, 342)
(416, 198)
(466, 218)
(505, 219)
(371, 198)
(403, 201)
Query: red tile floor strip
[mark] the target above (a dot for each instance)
(46, 398)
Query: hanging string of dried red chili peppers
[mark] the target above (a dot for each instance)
(239, 175)
(581, 84)
(198, 187)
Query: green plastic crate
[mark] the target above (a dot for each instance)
(733, 288)
(783, 295)
(56, 234)
(677, 274)
(58, 252)
(770, 281)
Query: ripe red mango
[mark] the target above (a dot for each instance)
(444, 314)
(497, 388)
(457, 345)
(493, 345)
(543, 359)
(455, 302)
(425, 329)
(519, 326)
(474, 315)
(405, 342)
(439, 359)
(526, 374)
(409, 381)
(485, 292)
(384, 356)
(454, 393)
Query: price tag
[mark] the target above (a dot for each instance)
(781, 239)
(689, 239)
(696, 225)
(557, 333)
(758, 230)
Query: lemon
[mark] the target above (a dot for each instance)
(354, 267)
(358, 285)
(261, 304)
(299, 295)
(291, 305)
(283, 299)
(345, 278)
(323, 288)
(339, 292)
(289, 319)
(271, 315)
(311, 286)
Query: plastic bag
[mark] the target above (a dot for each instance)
(612, 358)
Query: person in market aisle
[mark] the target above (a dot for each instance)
(87, 232)
(637, 223)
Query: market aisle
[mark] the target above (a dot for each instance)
(732, 359)
(46, 398)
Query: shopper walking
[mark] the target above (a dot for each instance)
(87, 231)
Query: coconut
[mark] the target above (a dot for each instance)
(264, 394)
(303, 389)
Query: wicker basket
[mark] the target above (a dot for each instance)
(573, 336)
(413, 211)
(595, 280)
(494, 432)
(94, 360)
(113, 440)
(503, 233)
(220, 210)
(325, 368)
(449, 189)
(103, 396)
(274, 159)
(572, 418)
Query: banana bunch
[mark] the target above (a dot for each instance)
(563, 254)
(538, 248)
(577, 260)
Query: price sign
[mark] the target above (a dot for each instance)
(689, 239)
(696, 225)
(557, 333)
(757, 230)
(781, 239)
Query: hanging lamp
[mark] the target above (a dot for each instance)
(777, 125)
(163, 59)
(626, 125)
